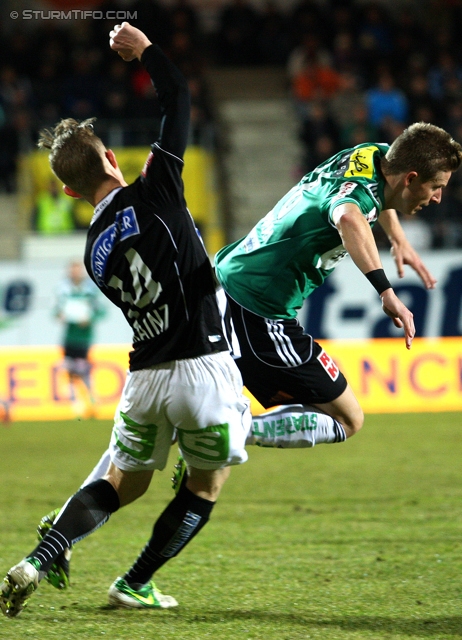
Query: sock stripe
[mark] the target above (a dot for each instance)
(53, 533)
(340, 435)
(182, 535)
(51, 547)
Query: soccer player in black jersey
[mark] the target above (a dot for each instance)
(144, 254)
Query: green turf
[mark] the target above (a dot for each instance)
(360, 540)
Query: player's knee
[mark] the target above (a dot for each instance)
(354, 422)
(207, 484)
(129, 485)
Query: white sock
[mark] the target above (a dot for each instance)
(293, 427)
(99, 470)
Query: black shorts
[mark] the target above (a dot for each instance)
(75, 352)
(280, 364)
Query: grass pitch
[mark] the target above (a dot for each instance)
(360, 540)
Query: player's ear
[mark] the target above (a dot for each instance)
(69, 192)
(412, 175)
(110, 155)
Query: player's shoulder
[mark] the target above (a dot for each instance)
(362, 162)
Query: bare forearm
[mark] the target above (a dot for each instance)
(390, 223)
(358, 240)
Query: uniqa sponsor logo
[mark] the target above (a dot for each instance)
(124, 226)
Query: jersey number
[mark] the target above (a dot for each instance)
(146, 289)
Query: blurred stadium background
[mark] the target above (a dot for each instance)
(277, 87)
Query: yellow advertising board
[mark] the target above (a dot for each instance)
(35, 385)
(198, 177)
(385, 377)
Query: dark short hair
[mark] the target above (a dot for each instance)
(423, 148)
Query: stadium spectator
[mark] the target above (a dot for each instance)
(16, 137)
(422, 106)
(236, 34)
(115, 101)
(358, 128)
(349, 97)
(273, 38)
(46, 87)
(306, 17)
(202, 129)
(15, 91)
(184, 18)
(316, 81)
(82, 88)
(374, 37)
(444, 76)
(385, 100)
(53, 213)
(319, 135)
(351, 36)
(345, 55)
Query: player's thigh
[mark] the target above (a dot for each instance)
(209, 411)
(317, 380)
(142, 434)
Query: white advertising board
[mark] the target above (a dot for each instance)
(27, 300)
(346, 306)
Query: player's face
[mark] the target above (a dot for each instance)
(76, 272)
(418, 194)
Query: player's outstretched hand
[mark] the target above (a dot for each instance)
(404, 253)
(128, 41)
(400, 314)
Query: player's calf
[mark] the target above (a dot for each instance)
(293, 427)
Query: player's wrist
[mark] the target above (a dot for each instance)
(141, 48)
(378, 280)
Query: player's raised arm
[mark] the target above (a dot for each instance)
(171, 86)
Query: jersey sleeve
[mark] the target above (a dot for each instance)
(356, 193)
(163, 167)
(174, 100)
(357, 180)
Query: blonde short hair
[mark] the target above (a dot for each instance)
(76, 155)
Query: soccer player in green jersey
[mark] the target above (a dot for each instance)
(78, 307)
(268, 274)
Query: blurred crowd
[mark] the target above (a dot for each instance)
(356, 72)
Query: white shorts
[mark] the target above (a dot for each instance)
(201, 398)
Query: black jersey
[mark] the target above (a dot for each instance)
(143, 250)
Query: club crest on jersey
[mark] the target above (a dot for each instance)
(124, 226)
(329, 365)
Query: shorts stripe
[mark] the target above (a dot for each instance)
(282, 343)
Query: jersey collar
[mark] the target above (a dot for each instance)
(102, 204)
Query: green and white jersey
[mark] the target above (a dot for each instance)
(79, 306)
(296, 245)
